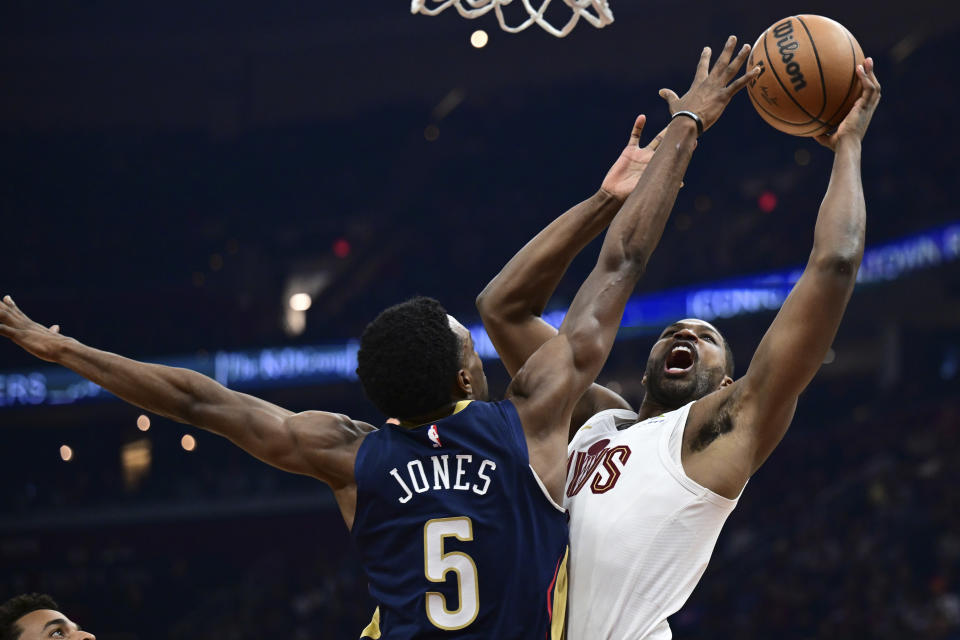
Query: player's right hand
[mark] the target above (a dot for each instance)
(33, 337)
(712, 89)
(625, 173)
(854, 125)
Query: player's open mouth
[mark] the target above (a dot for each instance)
(679, 361)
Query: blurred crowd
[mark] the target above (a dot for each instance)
(851, 529)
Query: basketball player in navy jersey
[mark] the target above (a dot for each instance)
(455, 511)
(648, 491)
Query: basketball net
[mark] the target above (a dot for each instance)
(596, 12)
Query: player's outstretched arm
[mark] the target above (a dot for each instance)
(313, 443)
(549, 384)
(758, 408)
(512, 303)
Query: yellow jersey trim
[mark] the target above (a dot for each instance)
(372, 632)
(558, 623)
(457, 408)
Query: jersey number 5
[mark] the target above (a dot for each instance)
(436, 565)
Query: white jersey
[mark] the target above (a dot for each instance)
(641, 531)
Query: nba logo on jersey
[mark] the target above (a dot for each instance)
(434, 436)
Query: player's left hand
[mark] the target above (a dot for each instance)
(31, 336)
(626, 171)
(712, 89)
(854, 126)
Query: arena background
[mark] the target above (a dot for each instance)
(171, 173)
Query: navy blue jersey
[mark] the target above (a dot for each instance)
(457, 535)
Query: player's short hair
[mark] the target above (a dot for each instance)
(19, 606)
(408, 359)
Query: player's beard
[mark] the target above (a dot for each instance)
(676, 392)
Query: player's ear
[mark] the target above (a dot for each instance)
(464, 386)
(643, 381)
(727, 381)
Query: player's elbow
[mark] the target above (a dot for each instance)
(189, 410)
(626, 259)
(195, 399)
(483, 302)
(495, 306)
(587, 347)
(632, 254)
(838, 264)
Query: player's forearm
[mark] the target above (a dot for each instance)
(524, 286)
(792, 351)
(841, 223)
(593, 319)
(637, 228)
(167, 391)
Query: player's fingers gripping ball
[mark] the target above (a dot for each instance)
(808, 74)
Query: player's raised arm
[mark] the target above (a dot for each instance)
(549, 384)
(760, 406)
(512, 303)
(313, 443)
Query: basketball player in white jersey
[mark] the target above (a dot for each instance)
(648, 491)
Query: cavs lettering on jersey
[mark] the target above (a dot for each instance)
(457, 535)
(641, 531)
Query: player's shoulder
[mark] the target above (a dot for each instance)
(494, 425)
(607, 420)
(331, 428)
(480, 412)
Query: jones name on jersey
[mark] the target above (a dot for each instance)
(442, 473)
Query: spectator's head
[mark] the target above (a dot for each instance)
(34, 616)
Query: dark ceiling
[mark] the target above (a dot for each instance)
(167, 168)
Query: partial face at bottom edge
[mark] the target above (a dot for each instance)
(46, 624)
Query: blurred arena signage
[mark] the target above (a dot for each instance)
(294, 366)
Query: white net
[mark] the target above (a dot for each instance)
(596, 12)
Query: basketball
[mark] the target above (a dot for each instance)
(808, 74)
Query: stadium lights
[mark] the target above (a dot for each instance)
(479, 39)
(135, 459)
(300, 301)
(143, 423)
(302, 287)
(66, 453)
(188, 442)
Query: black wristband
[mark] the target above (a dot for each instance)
(692, 116)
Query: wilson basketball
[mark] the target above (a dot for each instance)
(808, 74)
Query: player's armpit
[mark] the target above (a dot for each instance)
(328, 444)
(717, 451)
